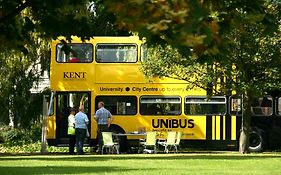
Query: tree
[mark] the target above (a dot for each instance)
(20, 18)
(241, 38)
(192, 24)
(18, 74)
(50, 19)
(26, 29)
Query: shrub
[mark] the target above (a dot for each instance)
(19, 136)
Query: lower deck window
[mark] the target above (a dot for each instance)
(278, 106)
(235, 106)
(119, 105)
(159, 105)
(205, 106)
(262, 106)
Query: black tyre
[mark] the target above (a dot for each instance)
(256, 140)
(121, 140)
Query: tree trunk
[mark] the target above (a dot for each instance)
(44, 125)
(245, 125)
(11, 114)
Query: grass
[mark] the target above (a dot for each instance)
(188, 163)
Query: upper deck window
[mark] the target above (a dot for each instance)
(202, 105)
(117, 53)
(143, 52)
(160, 105)
(75, 53)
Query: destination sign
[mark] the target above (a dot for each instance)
(140, 89)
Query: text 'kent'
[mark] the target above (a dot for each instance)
(74, 75)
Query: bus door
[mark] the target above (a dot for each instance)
(66, 101)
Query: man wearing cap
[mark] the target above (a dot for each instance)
(71, 130)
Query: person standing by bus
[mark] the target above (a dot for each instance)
(81, 122)
(71, 131)
(104, 119)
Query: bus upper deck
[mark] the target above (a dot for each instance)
(98, 60)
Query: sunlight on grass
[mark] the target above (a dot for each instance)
(220, 163)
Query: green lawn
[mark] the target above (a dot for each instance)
(188, 163)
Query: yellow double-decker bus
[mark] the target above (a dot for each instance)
(108, 69)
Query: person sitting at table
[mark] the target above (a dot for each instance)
(104, 119)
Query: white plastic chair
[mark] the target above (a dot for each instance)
(108, 143)
(178, 139)
(150, 141)
(169, 142)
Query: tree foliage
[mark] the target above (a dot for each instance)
(188, 24)
(50, 19)
(18, 74)
(235, 41)
(26, 29)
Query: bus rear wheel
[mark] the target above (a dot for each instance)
(256, 140)
(121, 140)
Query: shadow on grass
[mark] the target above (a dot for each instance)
(142, 157)
(60, 170)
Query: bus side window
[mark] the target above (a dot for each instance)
(143, 52)
(74, 53)
(201, 105)
(262, 106)
(235, 106)
(116, 53)
(160, 105)
(278, 106)
(119, 105)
